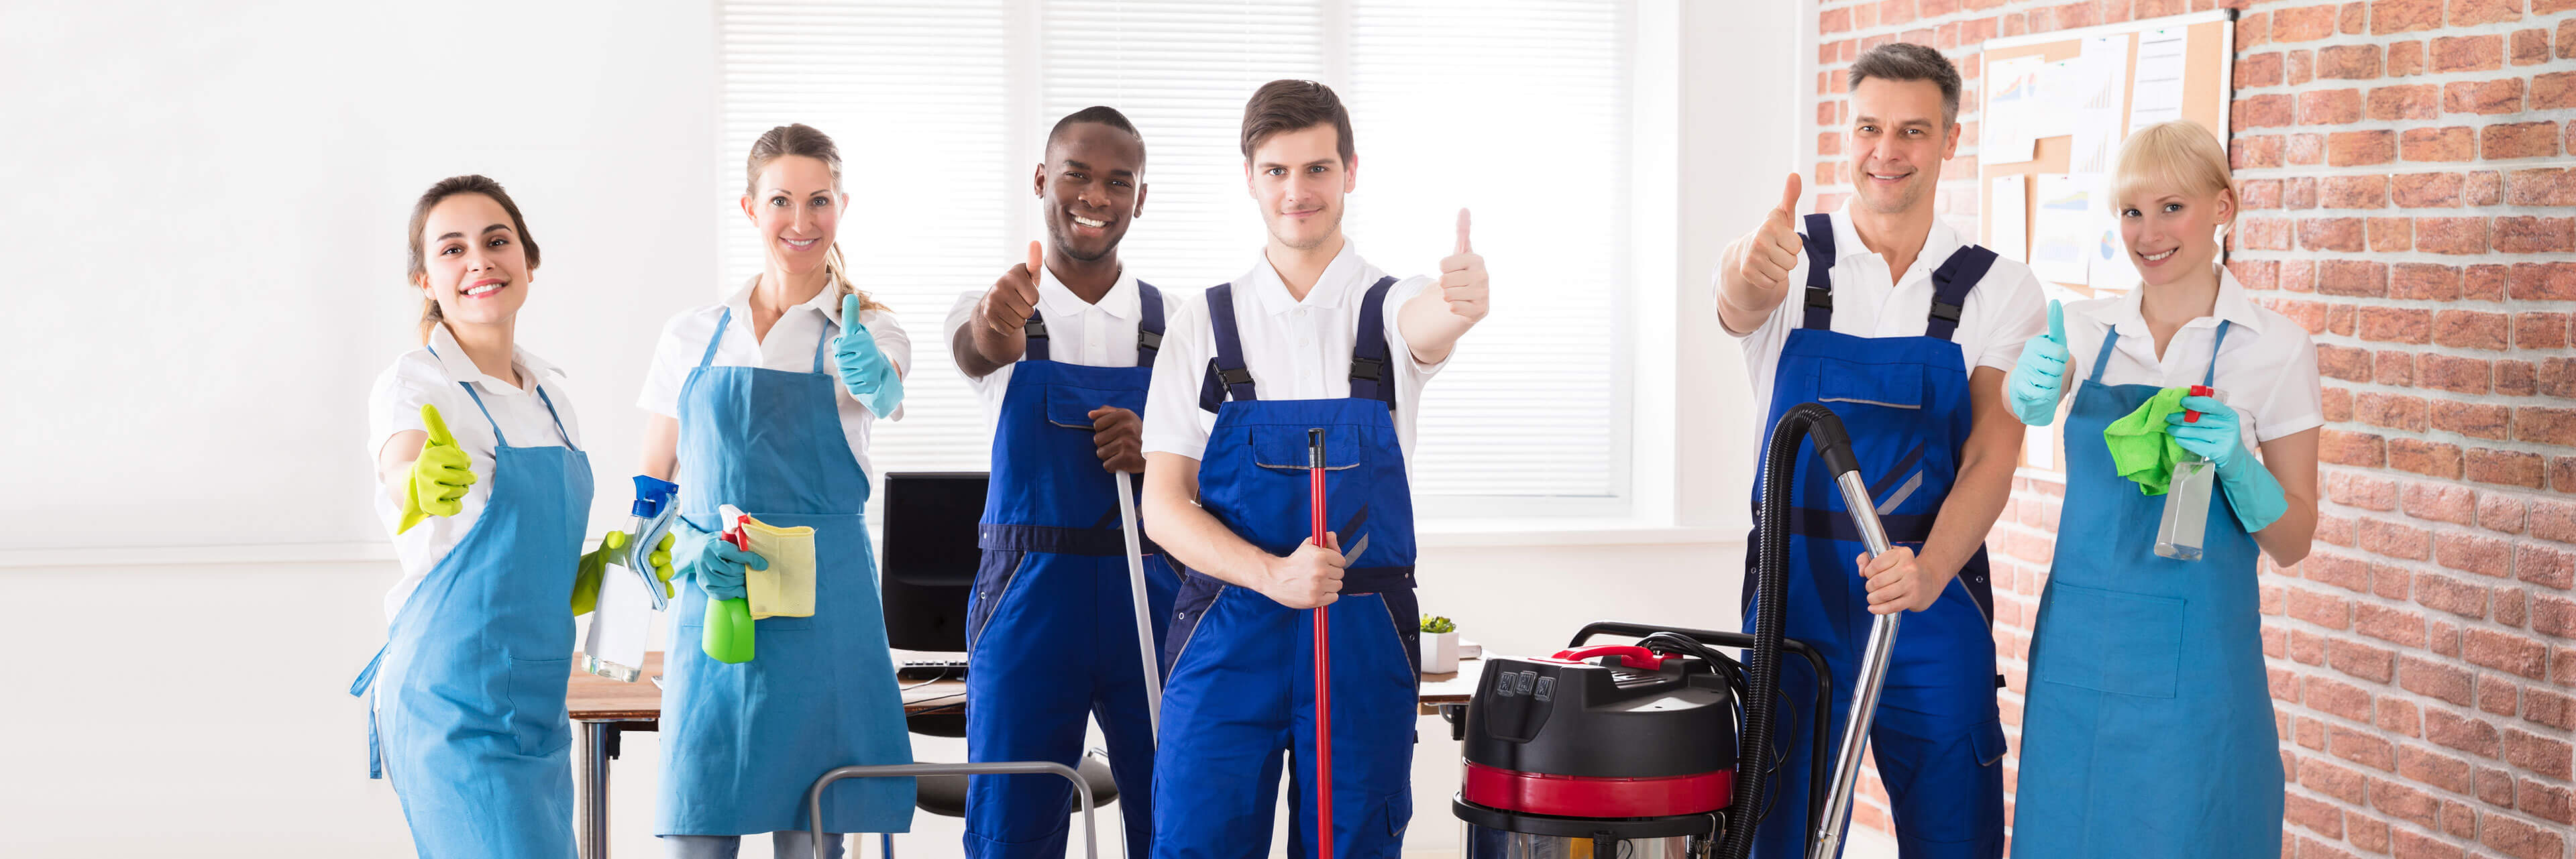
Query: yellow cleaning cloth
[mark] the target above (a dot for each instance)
(786, 589)
(2140, 447)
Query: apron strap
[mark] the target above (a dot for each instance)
(358, 689)
(1036, 331)
(2110, 339)
(1227, 376)
(2214, 343)
(1951, 284)
(498, 439)
(558, 416)
(1819, 240)
(1369, 358)
(723, 322)
(823, 341)
(1149, 324)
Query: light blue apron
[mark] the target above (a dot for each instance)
(2148, 727)
(741, 743)
(473, 729)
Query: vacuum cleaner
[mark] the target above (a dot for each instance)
(1659, 750)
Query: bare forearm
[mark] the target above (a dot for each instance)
(1191, 535)
(393, 463)
(661, 455)
(1741, 306)
(1430, 328)
(2293, 462)
(1986, 466)
(980, 350)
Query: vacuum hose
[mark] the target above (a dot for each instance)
(1762, 661)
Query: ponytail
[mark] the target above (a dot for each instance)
(840, 275)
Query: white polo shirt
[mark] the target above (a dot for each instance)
(2267, 368)
(393, 406)
(789, 347)
(1078, 331)
(2006, 309)
(1296, 350)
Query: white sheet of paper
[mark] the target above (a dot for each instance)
(2011, 218)
(2063, 229)
(2156, 95)
(2011, 110)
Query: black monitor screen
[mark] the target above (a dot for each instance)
(930, 555)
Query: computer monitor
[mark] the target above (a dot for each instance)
(930, 555)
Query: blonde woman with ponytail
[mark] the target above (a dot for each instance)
(764, 403)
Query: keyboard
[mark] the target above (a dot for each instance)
(930, 669)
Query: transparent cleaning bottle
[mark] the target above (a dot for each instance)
(2186, 517)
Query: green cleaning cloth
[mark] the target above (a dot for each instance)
(2140, 447)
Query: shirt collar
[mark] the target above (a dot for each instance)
(452, 359)
(1341, 277)
(2231, 305)
(1120, 302)
(826, 301)
(1938, 244)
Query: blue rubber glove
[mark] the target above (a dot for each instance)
(863, 368)
(2039, 378)
(717, 566)
(2218, 436)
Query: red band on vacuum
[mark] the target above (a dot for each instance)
(1576, 796)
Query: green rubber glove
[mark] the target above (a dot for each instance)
(585, 580)
(438, 477)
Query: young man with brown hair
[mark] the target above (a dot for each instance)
(1914, 365)
(1312, 338)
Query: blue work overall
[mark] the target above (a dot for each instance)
(1936, 737)
(742, 742)
(1242, 666)
(475, 735)
(2148, 727)
(1051, 627)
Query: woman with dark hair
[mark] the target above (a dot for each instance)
(763, 403)
(486, 516)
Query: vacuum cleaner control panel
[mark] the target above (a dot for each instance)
(1623, 715)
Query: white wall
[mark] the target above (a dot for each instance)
(262, 165)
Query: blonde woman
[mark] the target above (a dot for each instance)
(764, 402)
(2147, 730)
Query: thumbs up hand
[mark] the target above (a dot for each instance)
(865, 371)
(1006, 307)
(1763, 259)
(438, 477)
(2040, 377)
(1463, 283)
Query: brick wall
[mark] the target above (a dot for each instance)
(2409, 175)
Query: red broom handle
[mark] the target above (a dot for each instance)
(1323, 661)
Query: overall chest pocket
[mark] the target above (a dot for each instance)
(2107, 641)
(1893, 386)
(1070, 406)
(1286, 448)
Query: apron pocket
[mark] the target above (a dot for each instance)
(2124, 644)
(538, 719)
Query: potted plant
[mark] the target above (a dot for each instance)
(1439, 645)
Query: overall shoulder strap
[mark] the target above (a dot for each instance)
(1369, 372)
(1149, 323)
(1228, 377)
(1819, 240)
(1036, 331)
(1951, 284)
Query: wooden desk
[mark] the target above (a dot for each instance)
(603, 709)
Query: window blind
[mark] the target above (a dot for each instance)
(1515, 109)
